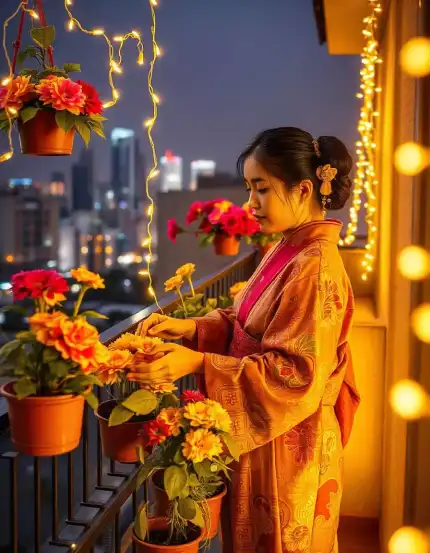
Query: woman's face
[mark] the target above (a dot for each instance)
(276, 208)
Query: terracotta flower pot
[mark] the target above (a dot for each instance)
(42, 137)
(119, 442)
(158, 529)
(44, 426)
(161, 505)
(226, 245)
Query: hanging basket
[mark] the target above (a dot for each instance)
(41, 136)
(212, 504)
(226, 245)
(119, 443)
(158, 532)
(44, 426)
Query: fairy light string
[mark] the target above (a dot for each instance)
(365, 182)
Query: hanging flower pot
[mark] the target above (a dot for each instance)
(120, 443)
(212, 505)
(44, 425)
(226, 245)
(41, 136)
(158, 536)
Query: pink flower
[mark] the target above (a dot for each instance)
(173, 229)
(48, 285)
(92, 106)
(191, 396)
(62, 94)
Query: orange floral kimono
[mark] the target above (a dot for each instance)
(279, 362)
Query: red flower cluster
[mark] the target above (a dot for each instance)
(155, 432)
(238, 222)
(192, 396)
(93, 105)
(173, 229)
(37, 284)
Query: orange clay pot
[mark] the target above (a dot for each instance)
(160, 526)
(41, 136)
(161, 505)
(226, 245)
(120, 442)
(44, 425)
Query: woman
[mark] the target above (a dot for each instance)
(279, 361)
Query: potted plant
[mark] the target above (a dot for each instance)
(220, 222)
(187, 457)
(53, 364)
(47, 106)
(192, 304)
(121, 419)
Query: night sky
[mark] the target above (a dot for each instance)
(231, 68)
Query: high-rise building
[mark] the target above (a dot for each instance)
(171, 172)
(83, 183)
(123, 151)
(201, 168)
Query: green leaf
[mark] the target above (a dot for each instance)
(212, 302)
(29, 113)
(50, 354)
(199, 520)
(175, 480)
(168, 400)
(97, 129)
(231, 445)
(10, 347)
(204, 240)
(187, 508)
(26, 336)
(203, 469)
(17, 308)
(51, 71)
(72, 68)
(141, 402)
(43, 36)
(59, 368)
(29, 73)
(30, 51)
(84, 131)
(178, 458)
(196, 299)
(143, 454)
(65, 120)
(141, 524)
(92, 400)
(24, 387)
(98, 118)
(93, 314)
(120, 415)
(193, 481)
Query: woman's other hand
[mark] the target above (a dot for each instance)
(168, 328)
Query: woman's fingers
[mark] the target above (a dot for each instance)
(153, 320)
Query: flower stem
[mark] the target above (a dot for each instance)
(182, 299)
(79, 300)
(191, 286)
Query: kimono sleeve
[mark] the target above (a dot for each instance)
(214, 331)
(268, 394)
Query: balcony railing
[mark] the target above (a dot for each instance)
(83, 502)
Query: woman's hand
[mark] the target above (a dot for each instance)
(161, 326)
(172, 362)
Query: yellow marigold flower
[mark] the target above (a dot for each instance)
(201, 444)
(197, 414)
(163, 388)
(173, 283)
(223, 206)
(172, 416)
(16, 93)
(134, 343)
(110, 371)
(236, 288)
(218, 415)
(186, 270)
(88, 278)
(47, 327)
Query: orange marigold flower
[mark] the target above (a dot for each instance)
(173, 283)
(207, 414)
(201, 444)
(172, 416)
(61, 94)
(186, 270)
(88, 278)
(163, 388)
(134, 343)
(236, 288)
(16, 93)
(110, 371)
(219, 417)
(197, 414)
(47, 329)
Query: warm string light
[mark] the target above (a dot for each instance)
(365, 181)
(115, 65)
(149, 124)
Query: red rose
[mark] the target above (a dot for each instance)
(191, 396)
(92, 106)
(195, 211)
(173, 229)
(37, 284)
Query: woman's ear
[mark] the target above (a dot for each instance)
(306, 189)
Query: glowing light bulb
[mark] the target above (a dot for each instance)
(420, 321)
(6, 156)
(151, 291)
(6, 81)
(136, 34)
(98, 32)
(148, 123)
(154, 2)
(115, 93)
(140, 59)
(33, 14)
(410, 158)
(156, 98)
(158, 51)
(143, 272)
(109, 104)
(150, 210)
(154, 174)
(12, 111)
(71, 25)
(415, 57)
(409, 399)
(115, 67)
(118, 38)
(414, 263)
(146, 243)
(408, 539)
